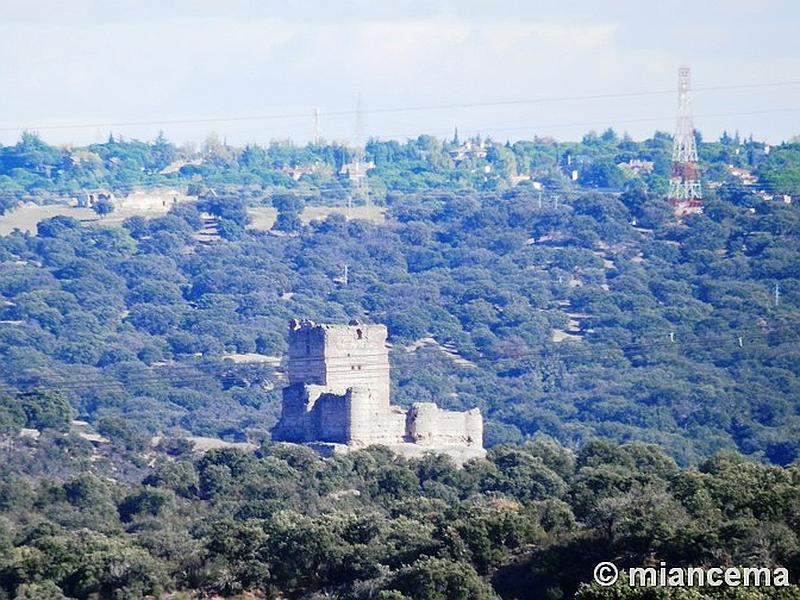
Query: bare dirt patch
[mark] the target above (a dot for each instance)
(252, 357)
(146, 203)
(446, 349)
(263, 217)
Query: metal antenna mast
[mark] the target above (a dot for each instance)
(359, 121)
(360, 178)
(684, 185)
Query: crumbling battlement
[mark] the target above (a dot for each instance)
(338, 395)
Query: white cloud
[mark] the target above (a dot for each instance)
(92, 63)
(556, 36)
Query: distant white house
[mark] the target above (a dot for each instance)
(297, 171)
(356, 170)
(468, 150)
(637, 166)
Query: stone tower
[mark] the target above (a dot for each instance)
(338, 398)
(340, 357)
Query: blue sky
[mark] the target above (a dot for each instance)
(96, 62)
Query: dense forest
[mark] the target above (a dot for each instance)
(527, 522)
(679, 340)
(549, 284)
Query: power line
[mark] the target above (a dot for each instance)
(601, 123)
(108, 381)
(557, 99)
(396, 109)
(144, 123)
(103, 381)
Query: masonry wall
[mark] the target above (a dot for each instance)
(372, 421)
(306, 354)
(356, 356)
(331, 419)
(339, 357)
(292, 424)
(427, 424)
(300, 420)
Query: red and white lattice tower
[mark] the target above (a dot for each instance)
(684, 185)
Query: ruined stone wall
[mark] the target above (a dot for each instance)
(299, 420)
(427, 424)
(396, 423)
(306, 353)
(331, 418)
(292, 424)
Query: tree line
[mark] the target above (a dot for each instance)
(527, 521)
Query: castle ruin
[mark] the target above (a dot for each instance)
(338, 398)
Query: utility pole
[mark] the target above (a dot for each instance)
(344, 279)
(316, 126)
(359, 121)
(684, 185)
